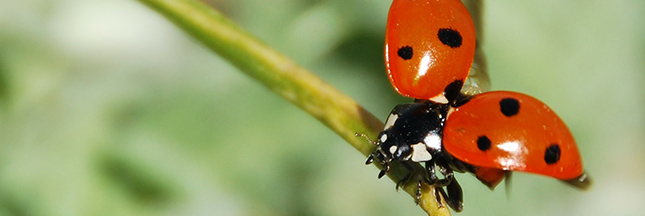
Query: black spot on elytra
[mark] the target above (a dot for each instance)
(509, 106)
(483, 143)
(405, 52)
(452, 90)
(450, 37)
(552, 154)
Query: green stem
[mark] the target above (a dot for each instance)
(284, 77)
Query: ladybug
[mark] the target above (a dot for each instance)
(429, 48)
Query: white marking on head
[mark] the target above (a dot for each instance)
(420, 153)
(390, 121)
(433, 141)
(440, 98)
(383, 138)
(393, 149)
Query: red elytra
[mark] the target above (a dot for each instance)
(510, 131)
(429, 45)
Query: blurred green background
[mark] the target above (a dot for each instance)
(108, 109)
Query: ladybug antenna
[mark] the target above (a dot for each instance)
(365, 137)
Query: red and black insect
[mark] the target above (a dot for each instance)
(429, 50)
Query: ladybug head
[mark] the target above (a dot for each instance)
(388, 150)
(391, 147)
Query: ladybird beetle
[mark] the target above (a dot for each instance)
(429, 48)
(429, 51)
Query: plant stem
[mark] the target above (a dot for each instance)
(287, 79)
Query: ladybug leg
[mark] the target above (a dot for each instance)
(406, 178)
(454, 197)
(448, 176)
(431, 180)
(432, 174)
(418, 195)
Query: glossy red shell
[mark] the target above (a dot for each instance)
(517, 143)
(433, 65)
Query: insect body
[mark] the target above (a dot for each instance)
(429, 51)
